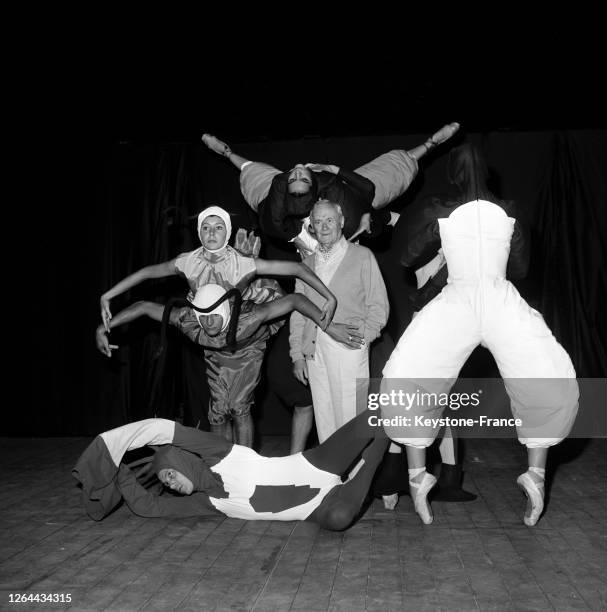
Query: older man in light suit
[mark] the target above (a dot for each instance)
(332, 361)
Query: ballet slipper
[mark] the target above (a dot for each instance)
(443, 134)
(216, 145)
(419, 493)
(534, 492)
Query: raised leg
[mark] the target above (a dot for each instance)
(337, 453)
(221, 148)
(446, 132)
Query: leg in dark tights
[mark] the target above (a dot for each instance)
(341, 506)
(343, 503)
(339, 450)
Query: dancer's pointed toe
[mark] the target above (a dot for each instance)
(534, 491)
(215, 144)
(446, 132)
(419, 493)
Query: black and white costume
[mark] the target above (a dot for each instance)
(234, 480)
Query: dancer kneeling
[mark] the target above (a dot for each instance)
(215, 477)
(481, 238)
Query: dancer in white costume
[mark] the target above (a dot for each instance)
(479, 306)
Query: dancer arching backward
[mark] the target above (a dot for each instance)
(214, 477)
(232, 376)
(284, 200)
(479, 306)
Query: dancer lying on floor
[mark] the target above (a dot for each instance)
(214, 477)
(284, 200)
(482, 239)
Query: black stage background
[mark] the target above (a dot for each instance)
(124, 193)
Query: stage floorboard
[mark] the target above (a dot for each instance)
(476, 556)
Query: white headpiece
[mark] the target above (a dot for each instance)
(207, 295)
(224, 216)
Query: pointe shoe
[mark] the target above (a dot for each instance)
(534, 492)
(443, 134)
(390, 501)
(419, 493)
(216, 145)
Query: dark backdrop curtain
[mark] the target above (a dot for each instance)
(152, 219)
(572, 249)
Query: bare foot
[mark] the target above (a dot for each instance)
(215, 144)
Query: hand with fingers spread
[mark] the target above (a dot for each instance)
(103, 342)
(349, 335)
(247, 244)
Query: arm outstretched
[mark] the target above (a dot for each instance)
(285, 305)
(302, 272)
(132, 312)
(160, 270)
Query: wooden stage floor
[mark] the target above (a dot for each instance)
(476, 556)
